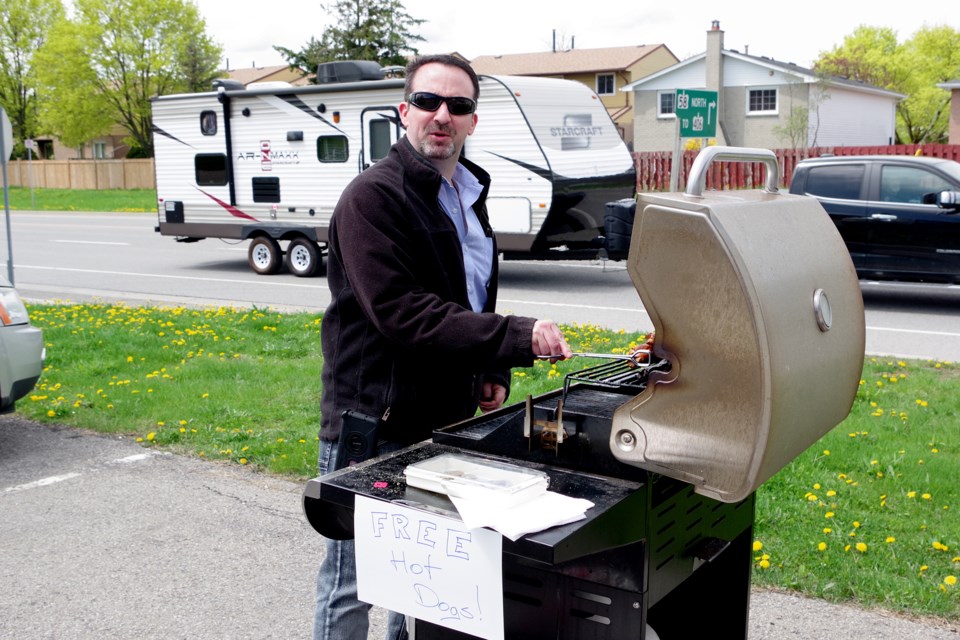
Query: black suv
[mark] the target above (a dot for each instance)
(899, 215)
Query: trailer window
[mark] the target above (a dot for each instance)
(332, 149)
(210, 169)
(208, 123)
(379, 139)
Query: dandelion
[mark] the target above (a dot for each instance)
(926, 496)
(757, 545)
(822, 546)
(243, 461)
(151, 436)
(950, 580)
(890, 540)
(861, 547)
(829, 514)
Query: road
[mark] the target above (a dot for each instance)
(84, 256)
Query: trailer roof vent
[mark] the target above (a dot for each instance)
(348, 71)
(229, 84)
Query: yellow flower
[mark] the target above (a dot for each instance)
(151, 436)
(950, 580)
(926, 496)
(822, 546)
(861, 547)
(828, 514)
(826, 452)
(243, 461)
(827, 530)
(891, 539)
(757, 545)
(764, 564)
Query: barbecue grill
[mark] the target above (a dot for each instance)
(758, 349)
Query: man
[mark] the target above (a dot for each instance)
(410, 336)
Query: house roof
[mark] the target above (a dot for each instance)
(562, 62)
(259, 74)
(807, 75)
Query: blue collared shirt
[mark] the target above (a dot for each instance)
(457, 200)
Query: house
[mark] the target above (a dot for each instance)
(106, 146)
(763, 103)
(604, 70)
(954, 88)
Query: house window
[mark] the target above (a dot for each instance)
(605, 84)
(208, 123)
(762, 101)
(99, 150)
(666, 104)
(332, 149)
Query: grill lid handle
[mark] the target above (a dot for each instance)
(698, 172)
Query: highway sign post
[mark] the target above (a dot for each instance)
(6, 150)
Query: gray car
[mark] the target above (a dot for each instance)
(898, 215)
(21, 348)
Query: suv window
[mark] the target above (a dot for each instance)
(836, 181)
(909, 184)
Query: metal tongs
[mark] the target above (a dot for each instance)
(631, 357)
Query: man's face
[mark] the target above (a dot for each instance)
(437, 135)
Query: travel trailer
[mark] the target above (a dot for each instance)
(267, 163)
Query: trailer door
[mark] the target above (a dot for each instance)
(381, 128)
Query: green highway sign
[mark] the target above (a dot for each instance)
(697, 113)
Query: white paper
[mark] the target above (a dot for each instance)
(549, 509)
(430, 567)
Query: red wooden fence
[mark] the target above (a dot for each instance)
(653, 167)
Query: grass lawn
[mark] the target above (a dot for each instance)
(131, 200)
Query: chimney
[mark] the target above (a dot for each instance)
(554, 40)
(714, 62)
(714, 73)
(572, 39)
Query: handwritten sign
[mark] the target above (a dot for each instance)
(430, 567)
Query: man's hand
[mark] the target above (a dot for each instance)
(492, 396)
(548, 340)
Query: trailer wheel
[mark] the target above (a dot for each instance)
(303, 258)
(265, 256)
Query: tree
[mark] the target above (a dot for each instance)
(23, 28)
(379, 30)
(873, 56)
(105, 65)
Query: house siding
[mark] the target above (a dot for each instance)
(851, 118)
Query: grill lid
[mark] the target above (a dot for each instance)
(757, 307)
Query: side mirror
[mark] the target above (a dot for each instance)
(949, 200)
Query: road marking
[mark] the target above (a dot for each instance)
(538, 303)
(948, 334)
(42, 482)
(115, 244)
(270, 282)
(50, 480)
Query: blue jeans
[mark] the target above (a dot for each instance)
(339, 615)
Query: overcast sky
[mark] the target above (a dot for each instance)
(790, 32)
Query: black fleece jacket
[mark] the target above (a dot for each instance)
(400, 341)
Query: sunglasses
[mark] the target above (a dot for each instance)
(457, 106)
